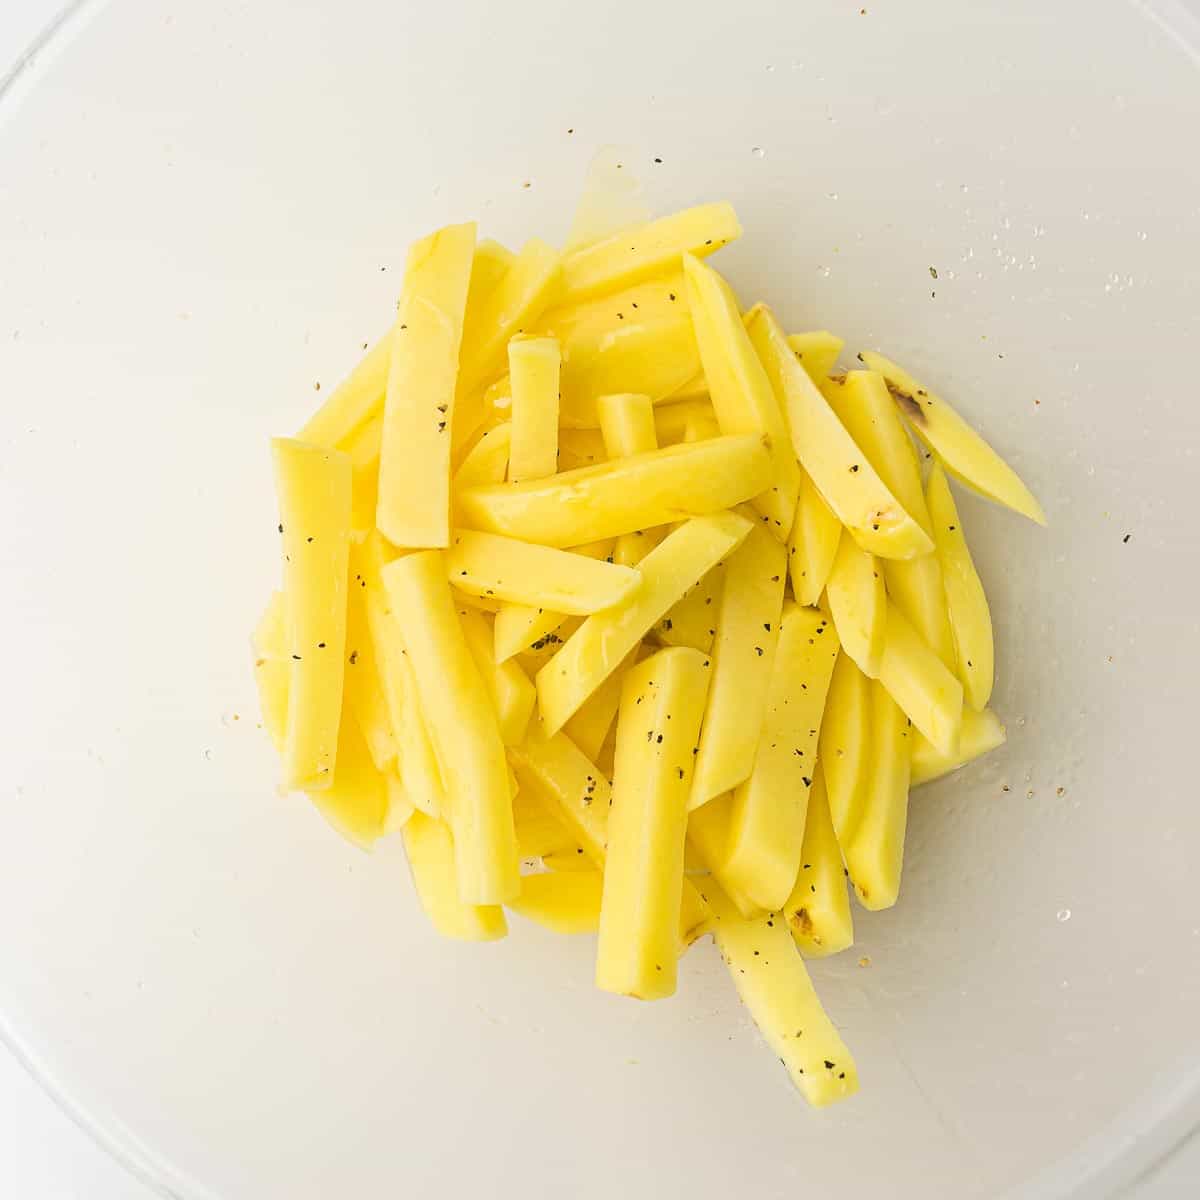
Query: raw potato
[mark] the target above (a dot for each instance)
(589, 727)
(845, 745)
(604, 639)
(858, 604)
(844, 477)
(512, 692)
(742, 396)
(562, 903)
(766, 830)
(313, 485)
(970, 617)
(812, 544)
(708, 836)
(414, 463)
(817, 351)
(520, 628)
(486, 461)
(365, 698)
(818, 910)
(965, 454)
(875, 854)
(353, 402)
(981, 732)
(692, 622)
(671, 420)
(773, 983)
(430, 848)
(661, 705)
(533, 370)
(540, 831)
(356, 803)
(743, 652)
(609, 499)
(363, 448)
(626, 424)
(504, 569)
(399, 807)
(462, 726)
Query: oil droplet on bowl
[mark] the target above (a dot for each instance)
(1064, 914)
(758, 152)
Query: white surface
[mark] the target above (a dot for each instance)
(191, 230)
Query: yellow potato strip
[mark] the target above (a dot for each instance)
(817, 351)
(533, 368)
(812, 544)
(486, 461)
(590, 726)
(858, 604)
(845, 745)
(356, 803)
(355, 400)
(562, 903)
(511, 690)
(693, 621)
(521, 628)
(981, 732)
(626, 424)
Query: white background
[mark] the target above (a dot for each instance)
(42, 1154)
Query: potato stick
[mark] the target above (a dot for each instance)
(858, 604)
(602, 642)
(920, 683)
(512, 572)
(539, 830)
(812, 544)
(775, 987)
(875, 854)
(486, 461)
(818, 910)
(671, 420)
(511, 690)
(399, 805)
(544, 649)
(571, 861)
(589, 727)
(365, 698)
(817, 351)
(269, 638)
(580, 448)
(767, 818)
(981, 732)
(355, 400)
(520, 628)
(356, 803)
(842, 474)
(844, 749)
(431, 858)
(271, 676)
(612, 498)
(533, 368)
(692, 622)
(363, 448)
(701, 427)
(414, 463)
(626, 424)
(637, 340)
(742, 396)
(970, 618)
(743, 653)
(313, 485)
(462, 726)
(632, 255)
(965, 454)
(489, 266)
(662, 702)
(631, 548)
(561, 903)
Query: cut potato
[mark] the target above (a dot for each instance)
(602, 642)
(817, 351)
(774, 985)
(981, 732)
(431, 858)
(399, 805)
(313, 485)
(356, 802)
(631, 548)
(743, 652)
(858, 604)
(626, 424)
(845, 745)
(487, 460)
(741, 392)
(363, 448)
(414, 463)
(850, 485)
(661, 705)
(612, 498)
(521, 628)
(818, 910)
(970, 617)
(965, 454)
(708, 836)
(353, 402)
(672, 420)
(365, 697)
(693, 621)
(533, 369)
(562, 903)
(462, 726)
(875, 854)
(540, 830)
(511, 690)
(812, 544)
(767, 818)
(513, 572)
(488, 268)
(589, 727)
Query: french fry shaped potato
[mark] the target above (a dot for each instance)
(462, 726)
(488, 268)
(363, 448)
(981, 732)
(671, 420)
(843, 475)
(487, 460)
(513, 572)
(521, 628)
(533, 370)
(875, 854)
(590, 725)
(399, 806)
(626, 424)
(817, 351)
(741, 392)
(512, 692)
(693, 621)
(844, 748)
(313, 485)
(631, 548)
(774, 985)
(353, 402)
(812, 544)
(766, 829)
(431, 858)
(539, 830)
(631, 255)
(661, 705)
(365, 698)
(594, 651)
(708, 840)
(414, 464)
(612, 498)
(742, 655)
(818, 910)
(858, 604)
(970, 617)
(561, 902)
(965, 454)
(921, 683)
(356, 803)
